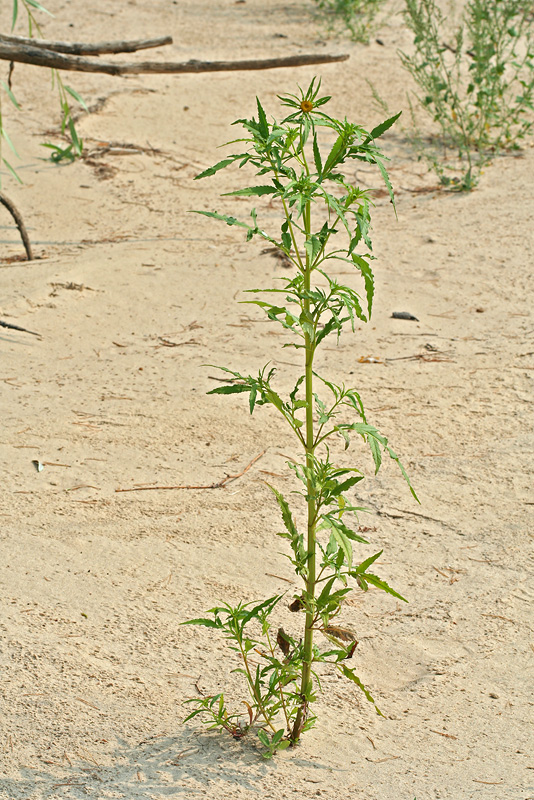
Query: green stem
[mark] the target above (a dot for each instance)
(257, 697)
(307, 658)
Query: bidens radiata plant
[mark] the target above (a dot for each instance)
(317, 202)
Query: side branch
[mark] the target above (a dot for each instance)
(49, 58)
(80, 49)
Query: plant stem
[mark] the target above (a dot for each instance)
(312, 510)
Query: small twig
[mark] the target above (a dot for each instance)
(19, 222)
(447, 735)
(217, 485)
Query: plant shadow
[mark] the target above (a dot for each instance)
(185, 764)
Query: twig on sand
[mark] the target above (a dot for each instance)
(19, 222)
(216, 485)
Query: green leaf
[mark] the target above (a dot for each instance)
(8, 140)
(264, 739)
(208, 623)
(78, 144)
(38, 6)
(286, 513)
(263, 124)
(382, 128)
(15, 13)
(235, 388)
(335, 154)
(367, 563)
(380, 584)
(368, 278)
(251, 190)
(77, 97)
(341, 539)
(10, 95)
(317, 156)
(216, 167)
(349, 673)
(11, 170)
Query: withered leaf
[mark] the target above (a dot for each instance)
(296, 605)
(340, 633)
(283, 641)
(351, 649)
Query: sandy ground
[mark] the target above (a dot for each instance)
(132, 296)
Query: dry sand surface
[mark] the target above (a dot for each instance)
(132, 296)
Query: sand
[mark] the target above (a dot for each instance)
(132, 296)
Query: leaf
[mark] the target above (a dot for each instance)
(367, 563)
(334, 156)
(76, 96)
(343, 634)
(233, 389)
(286, 513)
(10, 95)
(283, 642)
(216, 167)
(382, 128)
(208, 623)
(39, 7)
(8, 140)
(78, 144)
(11, 170)
(264, 739)
(263, 124)
(349, 673)
(368, 278)
(15, 14)
(317, 156)
(385, 177)
(380, 584)
(251, 190)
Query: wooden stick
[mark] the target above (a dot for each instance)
(217, 485)
(81, 49)
(49, 58)
(15, 213)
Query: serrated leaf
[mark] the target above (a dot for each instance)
(382, 128)
(220, 165)
(367, 563)
(374, 580)
(263, 124)
(368, 278)
(251, 191)
(235, 388)
(337, 150)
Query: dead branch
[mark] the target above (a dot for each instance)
(27, 54)
(15, 213)
(217, 485)
(81, 49)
